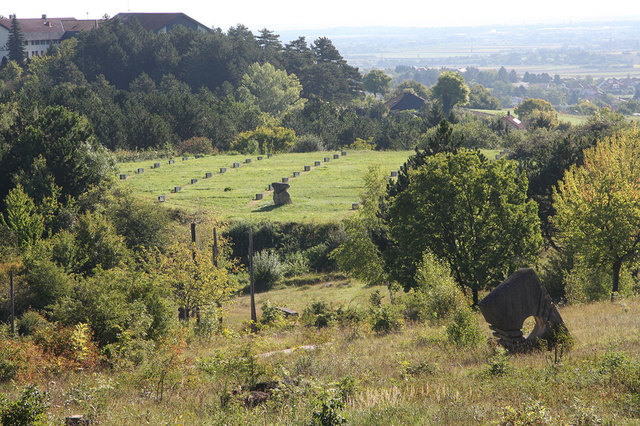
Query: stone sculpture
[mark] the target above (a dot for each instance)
(520, 296)
(280, 194)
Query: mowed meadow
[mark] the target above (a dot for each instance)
(325, 193)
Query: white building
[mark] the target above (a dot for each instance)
(41, 33)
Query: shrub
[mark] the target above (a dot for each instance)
(30, 408)
(589, 284)
(386, 319)
(267, 269)
(308, 143)
(47, 283)
(499, 363)
(362, 145)
(329, 413)
(463, 329)
(533, 413)
(318, 314)
(268, 138)
(437, 295)
(195, 145)
(271, 315)
(30, 322)
(295, 264)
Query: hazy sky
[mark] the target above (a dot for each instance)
(290, 14)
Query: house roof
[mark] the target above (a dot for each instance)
(405, 101)
(514, 122)
(50, 28)
(39, 29)
(155, 21)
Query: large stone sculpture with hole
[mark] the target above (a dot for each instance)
(280, 194)
(519, 297)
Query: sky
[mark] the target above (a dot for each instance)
(295, 14)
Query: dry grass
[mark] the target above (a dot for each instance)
(454, 387)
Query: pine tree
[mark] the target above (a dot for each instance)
(16, 42)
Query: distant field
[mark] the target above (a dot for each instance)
(573, 119)
(323, 194)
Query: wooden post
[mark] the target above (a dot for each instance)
(215, 247)
(254, 317)
(13, 306)
(193, 254)
(215, 263)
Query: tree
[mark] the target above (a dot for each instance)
(537, 113)
(15, 44)
(469, 212)
(450, 90)
(598, 204)
(359, 255)
(264, 140)
(191, 273)
(414, 87)
(376, 82)
(480, 98)
(21, 218)
(273, 91)
(66, 142)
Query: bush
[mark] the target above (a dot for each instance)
(195, 145)
(308, 143)
(318, 258)
(587, 284)
(30, 322)
(386, 319)
(269, 139)
(295, 264)
(47, 283)
(318, 314)
(329, 413)
(463, 329)
(267, 269)
(30, 408)
(437, 295)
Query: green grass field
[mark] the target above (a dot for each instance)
(323, 194)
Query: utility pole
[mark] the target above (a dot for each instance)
(254, 317)
(215, 248)
(13, 306)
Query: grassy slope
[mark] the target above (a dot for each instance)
(323, 194)
(454, 388)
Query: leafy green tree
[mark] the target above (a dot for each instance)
(439, 139)
(469, 212)
(598, 204)
(537, 113)
(265, 139)
(273, 91)
(15, 44)
(414, 87)
(376, 82)
(359, 255)
(450, 90)
(66, 142)
(22, 218)
(480, 97)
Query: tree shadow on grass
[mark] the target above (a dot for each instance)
(264, 209)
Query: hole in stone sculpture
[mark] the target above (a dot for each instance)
(533, 328)
(528, 325)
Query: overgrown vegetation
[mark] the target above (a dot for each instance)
(124, 316)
